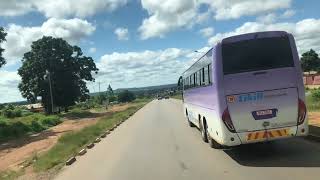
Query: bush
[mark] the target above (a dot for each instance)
(50, 121)
(112, 98)
(36, 127)
(17, 127)
(316, 94)
(126, 96)
(11, 112)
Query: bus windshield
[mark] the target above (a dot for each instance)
(256, 54)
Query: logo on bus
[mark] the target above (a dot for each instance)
(250, 97)
(245, 97)
(231, 99)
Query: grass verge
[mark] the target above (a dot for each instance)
(10, 175)
(78, 113)
(69, 144)
(177, 96)
(312, 104)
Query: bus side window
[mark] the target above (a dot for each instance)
(187, 83)
(202, 77)
(210, 73)
(206, 75)
(199, 78)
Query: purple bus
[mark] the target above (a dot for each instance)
(247, 89)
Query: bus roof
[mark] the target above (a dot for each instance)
(197, 60)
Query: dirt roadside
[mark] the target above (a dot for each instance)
(13, 153)
(314, 118)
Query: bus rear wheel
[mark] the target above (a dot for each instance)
(203, 130)
(189, 122)
(212, 143)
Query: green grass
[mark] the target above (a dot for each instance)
(21, 126)
(312, 104)
(70, 143)
(78, 113)
(10, 175)
(177, 96)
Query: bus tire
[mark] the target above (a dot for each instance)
(212, 143)
(189, 122)
(203, 130)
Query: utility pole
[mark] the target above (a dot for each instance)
(50, 88)
(99, 87)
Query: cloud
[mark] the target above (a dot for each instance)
(166, 16)
(288, 13)
(19, 38)
(273, 17)
(306, 32)
(59, 8)
(206, 32)
(122, 33)
(8, 86)
(269, 18)
(169, 15)
(134, 69)
(15, 7)
(92, 50)
(234, 9)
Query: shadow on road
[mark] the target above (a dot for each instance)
(296, 152)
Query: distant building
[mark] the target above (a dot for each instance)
(34, 107)
(311, 78)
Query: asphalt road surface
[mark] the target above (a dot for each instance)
(156, 143)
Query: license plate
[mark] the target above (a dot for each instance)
(269, 134)
(264, 114)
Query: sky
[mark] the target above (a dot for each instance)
(139, 43)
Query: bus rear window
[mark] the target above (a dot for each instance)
(256, 54)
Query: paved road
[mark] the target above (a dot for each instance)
(156, 143)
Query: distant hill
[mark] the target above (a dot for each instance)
(140, 89)
(166, 86)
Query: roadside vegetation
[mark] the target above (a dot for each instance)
(70, 143)
(313, 100)
(10, 175)
(16, 122)
(177, 96)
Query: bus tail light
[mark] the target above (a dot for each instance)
(302, 111)
(227, 120)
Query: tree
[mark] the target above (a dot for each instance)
(110, 94)
(126, 96)
(101, 98)
(180, 83)
(110, 91)
(2, 38)
(53, 60)
(112, 98)
(310, 61)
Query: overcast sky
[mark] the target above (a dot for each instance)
(145, 42)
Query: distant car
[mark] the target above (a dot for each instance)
(166, 97)
(159, 98)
